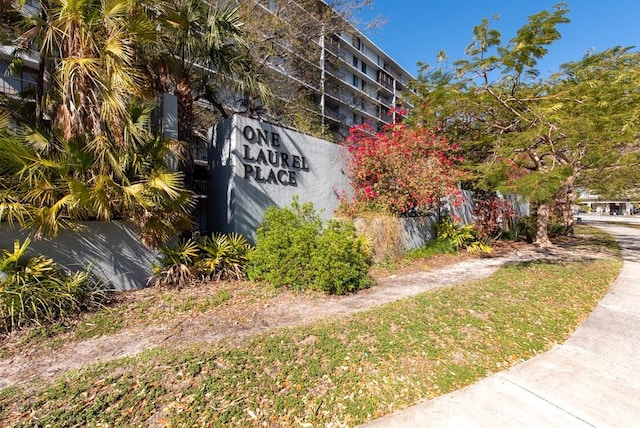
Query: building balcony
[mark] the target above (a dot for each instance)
(340, 75)
(200, 188)
(200, 155)
(336, 115)
(386, 85)
(342, 96)
(15, 86)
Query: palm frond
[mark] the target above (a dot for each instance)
(170, 183)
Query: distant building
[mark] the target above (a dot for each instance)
(594, 204)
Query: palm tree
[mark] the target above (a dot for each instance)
(98, 160)
(48, 182)
(90, 45)
(37, 35)
(203, 50)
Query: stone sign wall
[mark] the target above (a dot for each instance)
(255, 165)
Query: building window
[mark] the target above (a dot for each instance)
(385, 80)
(356, 81)
(363, 86)
(357, 43)
(24, 80)
(355, 61)
(364, 67)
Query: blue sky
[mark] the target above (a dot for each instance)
(416, 30)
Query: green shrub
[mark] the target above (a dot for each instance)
(430, 249)
(556, 228)
(458, 236)
(340, 261)
(526, 228)
(447, 231)
(34, 289)
(284, 242)
(294, 249)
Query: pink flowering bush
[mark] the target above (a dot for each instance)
(401, 169)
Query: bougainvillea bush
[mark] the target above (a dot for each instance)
(401, 169)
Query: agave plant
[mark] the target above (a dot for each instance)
(224, 256)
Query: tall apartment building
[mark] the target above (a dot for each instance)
(328, 68)
(344, 76)
(366, 85)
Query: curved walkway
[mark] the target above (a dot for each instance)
(592, 380)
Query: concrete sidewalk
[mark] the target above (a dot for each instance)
(592, 380)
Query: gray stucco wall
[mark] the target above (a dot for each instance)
(417, 231)
(255, 165)
(112, 250)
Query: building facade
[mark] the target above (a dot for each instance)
(367, 84)
(323, 65)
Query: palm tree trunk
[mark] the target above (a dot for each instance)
(185, 109)
(42, 67)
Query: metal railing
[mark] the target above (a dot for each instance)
(200, 188)
(12, 85)
(335, 115)
(200, 153)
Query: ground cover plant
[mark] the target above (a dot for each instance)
(336, 372)
(134, 310)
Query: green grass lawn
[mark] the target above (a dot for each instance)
(331, 373)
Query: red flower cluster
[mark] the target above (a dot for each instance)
(400, 168)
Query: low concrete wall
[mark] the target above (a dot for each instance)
(418, 231)
(391, 237)
(111, 249)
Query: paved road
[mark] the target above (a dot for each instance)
(592, 380)
(599, 218)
